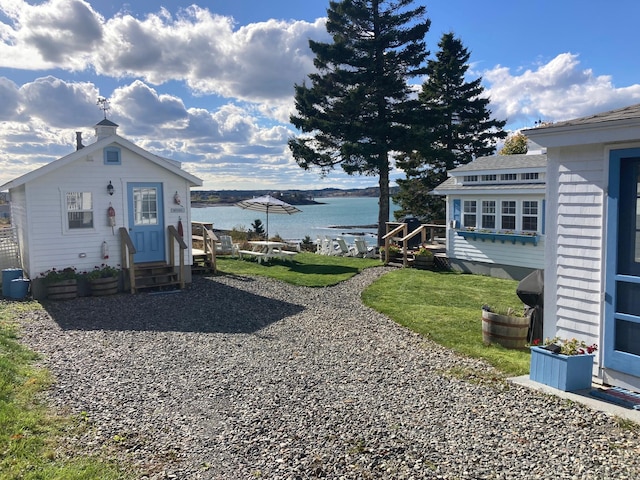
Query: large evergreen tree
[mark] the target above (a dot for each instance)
(454, 128)
(357, 108)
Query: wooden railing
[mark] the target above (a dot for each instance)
(203, 232)
(174, 237)
(127, 251)
(390, 235)
(427, 231)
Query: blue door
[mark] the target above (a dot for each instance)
(622, 296)
(146, 221)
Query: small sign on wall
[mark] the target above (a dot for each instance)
(178, 210)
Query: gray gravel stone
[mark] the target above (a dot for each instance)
(242, 377)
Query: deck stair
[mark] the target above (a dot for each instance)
(202, 262)
(155, 276)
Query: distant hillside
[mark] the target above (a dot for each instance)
(294, 197)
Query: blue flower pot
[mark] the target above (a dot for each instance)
(564, 372)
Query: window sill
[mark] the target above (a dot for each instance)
(501, 237)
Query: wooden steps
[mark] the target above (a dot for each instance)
(201, 262)
(155, 276)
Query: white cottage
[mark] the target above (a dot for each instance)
(592, 266)
(79, 210)
(495, 207)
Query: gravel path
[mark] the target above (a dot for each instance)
(244, 378)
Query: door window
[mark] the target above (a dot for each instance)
(145, 205)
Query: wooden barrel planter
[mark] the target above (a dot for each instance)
(423, 262)
(104, 286)
(505, 330)
(62, 290)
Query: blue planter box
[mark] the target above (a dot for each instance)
(564, 372)
(501, 237)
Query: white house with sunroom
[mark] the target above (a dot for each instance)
(81, 210)
(495, 210)
(592, 266)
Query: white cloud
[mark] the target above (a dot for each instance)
(555, 91)
(258, 62)
(53, 33)
(58, 103)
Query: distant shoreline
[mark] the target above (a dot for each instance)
(232, 204)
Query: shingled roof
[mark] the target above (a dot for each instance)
(626, 113)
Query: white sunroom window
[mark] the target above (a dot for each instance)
(508, 215)
(530, 216)
(469, 211)
(489, 214)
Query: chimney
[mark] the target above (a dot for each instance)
(79, 144)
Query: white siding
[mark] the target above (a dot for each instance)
(573, 267)
(519, 255)
(51, 245)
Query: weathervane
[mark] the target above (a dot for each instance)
(103, 104)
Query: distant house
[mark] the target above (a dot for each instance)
(592, 265)
(495, 207)
(73, 211)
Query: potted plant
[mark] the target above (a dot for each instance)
(394, 251)
(504, 326)
(61, 284)
(103, 280)
(423, 258)
(565, 364)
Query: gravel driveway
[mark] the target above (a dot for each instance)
(244, 378)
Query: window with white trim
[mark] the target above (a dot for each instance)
(529, 176)
(530, 216)
(79, 210)
(508, 215)
(489, 178)
(470, 178)
(489, 214)
(508, 177)
(469, 210)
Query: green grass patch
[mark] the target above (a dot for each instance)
(30, 437)
(446, 307)
(305, 269)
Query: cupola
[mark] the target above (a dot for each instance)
(105, 128)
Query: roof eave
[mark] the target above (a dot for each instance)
(602, 132)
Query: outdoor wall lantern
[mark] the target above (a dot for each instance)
(176, 199)
(110, 188)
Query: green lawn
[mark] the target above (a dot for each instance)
(305, 269)
(446, 307)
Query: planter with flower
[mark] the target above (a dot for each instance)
(394, 252)
(565, 364)
(103, 280)
(423, 259)
(61, 284)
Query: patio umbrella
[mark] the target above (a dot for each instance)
(268, 204)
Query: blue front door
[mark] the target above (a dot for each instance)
(622, 296)
(146, 221)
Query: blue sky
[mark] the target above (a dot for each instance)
(211, 83)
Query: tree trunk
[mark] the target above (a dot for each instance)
(383, 211)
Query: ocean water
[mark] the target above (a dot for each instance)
(313, 220)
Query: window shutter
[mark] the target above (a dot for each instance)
(457, 212)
